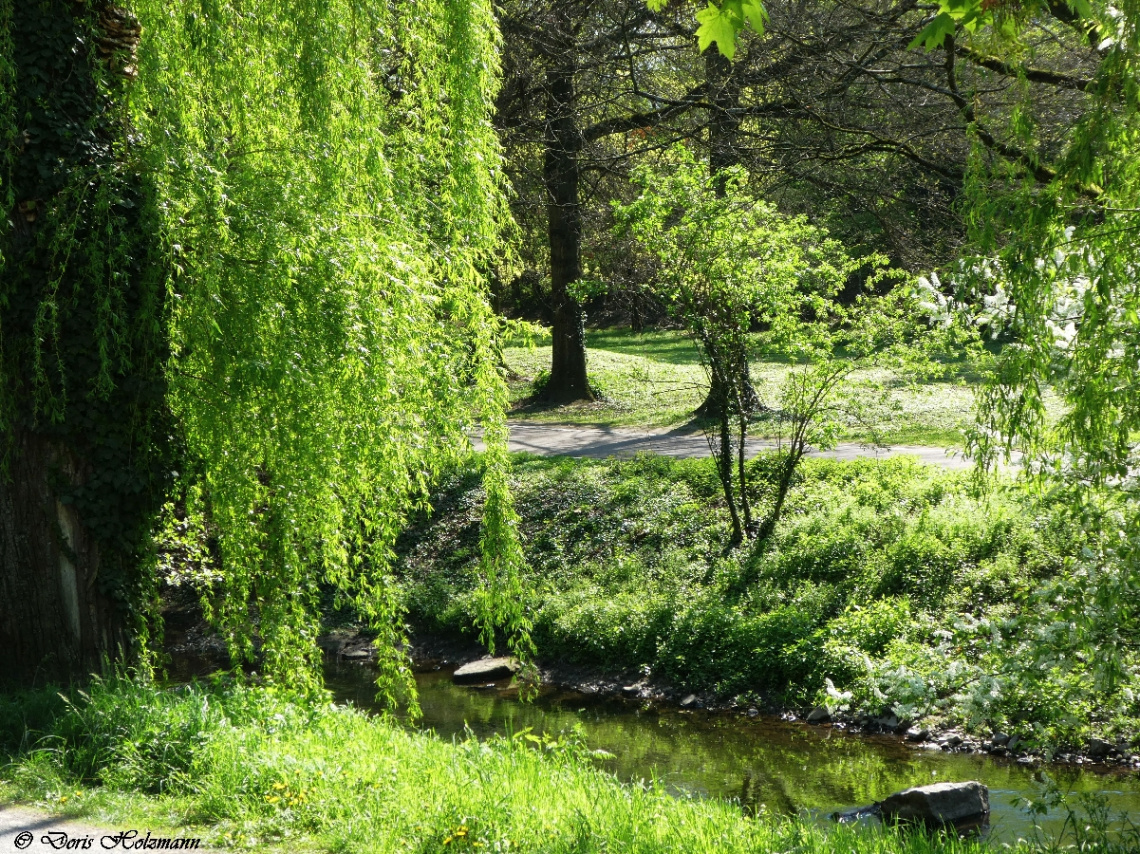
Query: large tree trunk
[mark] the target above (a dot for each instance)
(85, 428)
(55, 620)
(563, 142)
(724, 122)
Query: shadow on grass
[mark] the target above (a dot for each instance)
(669, 346)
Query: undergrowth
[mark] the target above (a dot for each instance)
(888, 587)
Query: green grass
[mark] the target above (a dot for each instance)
(655, 380)
(886, 577)
(251, 768)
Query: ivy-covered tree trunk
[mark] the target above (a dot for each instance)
(81, 386)
(568, 380)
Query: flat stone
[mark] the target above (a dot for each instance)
(633, 690)
(485, 670)
(939, 803)
(689, 701)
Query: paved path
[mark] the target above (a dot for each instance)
(24, 829)
(600, 442)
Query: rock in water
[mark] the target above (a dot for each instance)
(485, 670)
(940, 803)
(818, 715)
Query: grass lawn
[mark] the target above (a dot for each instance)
(655, 380)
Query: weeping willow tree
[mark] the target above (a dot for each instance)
(242, 265)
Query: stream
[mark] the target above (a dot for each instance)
(795, 768)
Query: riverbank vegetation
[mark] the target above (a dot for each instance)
(888, 588)
(248, 767)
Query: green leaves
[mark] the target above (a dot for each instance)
(970, 14)
(723, 24)
(934, 33)
(332, 337)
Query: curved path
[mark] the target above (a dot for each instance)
(600, 442)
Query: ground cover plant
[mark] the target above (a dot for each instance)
(654, 379)
(887, 586)
(252, 767)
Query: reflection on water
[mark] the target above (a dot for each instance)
(793, 767)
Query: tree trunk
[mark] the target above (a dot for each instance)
(86, 431)
(563, 142)
(724, 151)
(724, 124)
(55, 622)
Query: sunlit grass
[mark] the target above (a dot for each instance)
(654, 380)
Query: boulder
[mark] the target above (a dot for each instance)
(940, 803)
(1100, 749)
(485, 670)
(818, 715)
(887, 723)
(917, 734)
(689, 702)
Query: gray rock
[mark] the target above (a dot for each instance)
(1013, 743)
(950, 741)
(689, 701)
(818, 715)
(917, 734)
(1099, 748)
(1000, 739)
(940, 803)
(890, 723)
(753, 712)
(485, 670)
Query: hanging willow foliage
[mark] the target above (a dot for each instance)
(324, 189)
